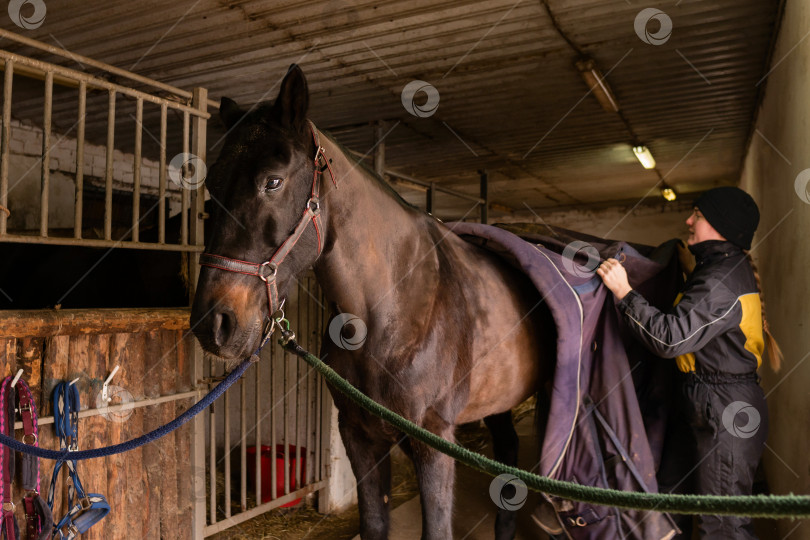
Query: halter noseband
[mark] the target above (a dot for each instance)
(267, 271)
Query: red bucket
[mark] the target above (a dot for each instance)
(267, 472)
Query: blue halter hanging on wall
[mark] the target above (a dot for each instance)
(90, 508)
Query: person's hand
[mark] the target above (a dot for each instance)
(686, 257)
(614, 276)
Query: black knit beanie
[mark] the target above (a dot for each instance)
(732, 212)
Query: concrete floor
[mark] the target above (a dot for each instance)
(474, 515)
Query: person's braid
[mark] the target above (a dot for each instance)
(774, 352)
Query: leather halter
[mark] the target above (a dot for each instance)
(268, 270)
(38, 518)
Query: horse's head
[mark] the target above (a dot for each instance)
(266, 226)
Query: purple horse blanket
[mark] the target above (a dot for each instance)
(607, 416)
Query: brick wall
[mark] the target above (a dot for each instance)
(25, 147)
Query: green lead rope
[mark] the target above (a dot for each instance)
(760, 506)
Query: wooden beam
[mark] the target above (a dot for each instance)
(49, 322)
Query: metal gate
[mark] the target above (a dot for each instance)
(278, 404)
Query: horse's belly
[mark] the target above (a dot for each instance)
(502, 379)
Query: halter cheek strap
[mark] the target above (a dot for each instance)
(268, 270)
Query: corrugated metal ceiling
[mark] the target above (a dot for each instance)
(511, 99)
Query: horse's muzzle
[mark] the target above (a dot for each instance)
(220, 331)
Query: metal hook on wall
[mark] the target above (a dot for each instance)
(104, 396)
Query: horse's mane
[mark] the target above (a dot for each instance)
(371, 173)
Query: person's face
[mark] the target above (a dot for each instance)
(700, 229)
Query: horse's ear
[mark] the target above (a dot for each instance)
(229, 112)
(293, 99)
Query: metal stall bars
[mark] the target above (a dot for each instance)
(287, 406)
(429, 188)
(192, 107)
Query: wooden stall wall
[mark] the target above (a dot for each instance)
(149, 488)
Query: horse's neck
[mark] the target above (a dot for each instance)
(378, 253)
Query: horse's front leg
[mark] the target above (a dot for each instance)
(435, 473)
(371, 464)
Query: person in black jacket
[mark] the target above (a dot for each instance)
(715, 334)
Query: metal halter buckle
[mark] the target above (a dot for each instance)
(271, 266)
(8, 507)
(314, 204)
(32, 437)
(69, 530)
(279, 314)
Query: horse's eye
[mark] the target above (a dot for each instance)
(272, 183)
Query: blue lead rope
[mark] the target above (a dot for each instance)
(90, 508)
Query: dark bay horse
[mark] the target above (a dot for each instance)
(453, 333)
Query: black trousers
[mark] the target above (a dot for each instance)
(713, 447)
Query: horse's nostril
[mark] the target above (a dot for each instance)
(224, 324)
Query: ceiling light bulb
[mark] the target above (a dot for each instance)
(644, 156)
(597, 84)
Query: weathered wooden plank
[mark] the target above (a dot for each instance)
(166, 376)
(93, 430)
(8, 357)
(152, 420)
(29, 359)
(185, 343)
(137, 494)
(49, 322)
(185, 486)
(120, 355)
(78, 363)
